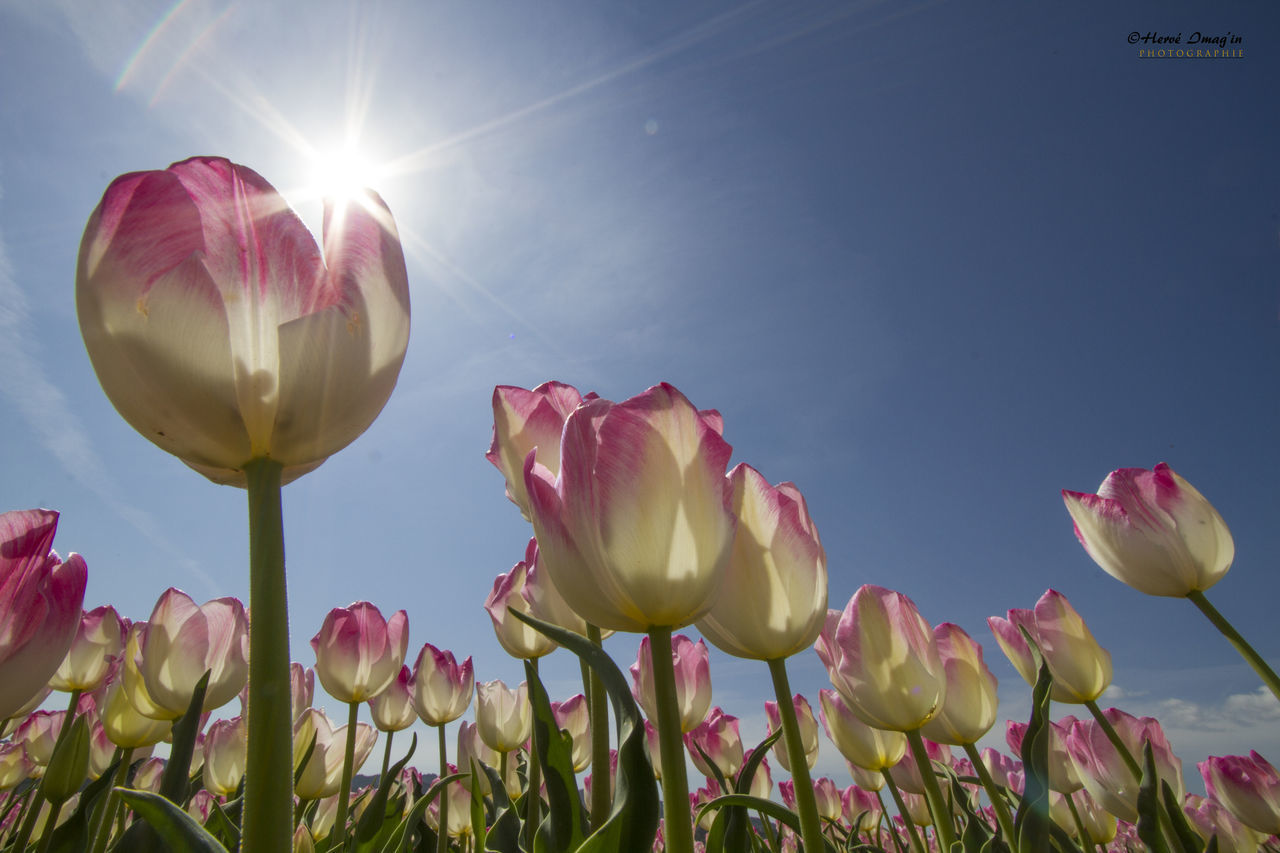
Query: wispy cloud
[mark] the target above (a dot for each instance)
(46, 410)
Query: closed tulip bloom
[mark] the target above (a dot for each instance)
(1009, 636)
(761, 781)
(1153, 531)
(1249, 787)
(441, 686)
(226, 749)
(693, 680)
(147, 777)
(1104, 773)
(321, 776)
(99, 641)
(183, 641)
(1210, 819)
(652, 747)
(125, 726)
(865, 747)
(774, 599)
(635, 531)
(719, 738)
(517, 638)
(223, 333)
(969, 709)
(15, 767)
(1063, 777)
(38, 733)
(906, 773)
(504, 716)
(857, 802)
(889, 670)
(392, 710)
(302, 688)
(1078, 664)
(524, 421)
(804, 721)
(571, 716)
(358, 653)
(40, 605)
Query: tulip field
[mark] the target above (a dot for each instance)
(225, 334)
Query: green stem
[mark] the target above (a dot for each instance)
(884, 819)
(598, 710)
(534, 795)
(386, 760)
(678, 825)
(1110, 732)
(102, 831)
(902, 810)
(810, 824)
(1086, 843)
(1266, 673)
(344, 788)
(942, 822)
(994, 793)
(442, 837)
(268, 792)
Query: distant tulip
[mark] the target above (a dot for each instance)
(634, 530)
(222, 333)
(826, 796)
(774, 597)
(1210, 819)
(125, 726)
(38, 733)
(1078, 664)
(15, 766)
(147, 777)
(183, 641)
(969, 709)
(358, 653)
(1102, 770)
(855, 801)
(517, 638)
(864, 746)
(302, 688)
(808, 730)
(226, 749)
(1000, 766)
(719, 738)
(392, 710)
(99, 641)
(571, 716)
(321, 776)
(40, 605)
(1249, 787)
(525, 420)
(1063, 776)
(1153, 531)
(906, 773)
(441, 687)
(889, 670)
(693, 680)
(504, 716)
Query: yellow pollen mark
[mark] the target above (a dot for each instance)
(142, 307)
(354, 324)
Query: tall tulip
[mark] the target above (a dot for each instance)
(226, 336)
(442, 691)
(40, 605)
(524, 421)
(358, 652)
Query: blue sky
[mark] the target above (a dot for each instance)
(933, 262)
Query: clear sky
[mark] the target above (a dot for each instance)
(933, 262)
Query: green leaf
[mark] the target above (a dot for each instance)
(1031, 823)
(398, 840)
(69, 765)
(564, 828)
(633, 820)
(73, 835)
(171, 822)
(375, 815)
(173, 782)
(477, 810)
(1149, 804)
(504, 835)
(223, 826)
(1186, 837)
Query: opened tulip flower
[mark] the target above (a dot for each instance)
(322, 774)
(183, 640)
(40, 605)
(358, 652)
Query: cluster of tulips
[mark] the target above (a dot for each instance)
(226, 336)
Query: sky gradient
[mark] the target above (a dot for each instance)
(933, 262)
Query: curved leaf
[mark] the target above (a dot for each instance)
(171, 822)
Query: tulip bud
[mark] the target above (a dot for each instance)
(504, 716)
(969, 709)
(808, 731)
(866, 747)
(571, 716)
(69, 766)
(693, 680)
(226, 751)
(1153, 531)
(441, 687)
(392, 710)
(1078, 664)
(358, 653)
(99, 640)
(518, 639)
(718, 737)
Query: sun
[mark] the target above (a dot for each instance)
(342, 175)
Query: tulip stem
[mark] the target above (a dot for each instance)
(942, 823)
(442, 837)
(386, 760)
(997, 796)
(102, 830)
(344, 787)
(1110, 732)
(534, 796)
(810, 825)
(678, 827)
(268, 791)
(1266, 673)
(1086, 843)
(881, 820)
(598, 711)
(902, 812)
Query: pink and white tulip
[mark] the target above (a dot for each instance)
(504, 716)
(1063, 776)
(223, 333)
(358, 652)
(125, 726)
(183, 640)
(718, 737)
(571, 716)
(1210, 818)
(1080, 667)
(1248, 786)
(1103, 771)
(774, 598)
(392, 710)
(321, 776)
(865, 747)
(693, 680)
(98, 643)
(442, 687)
(805, 722)
(635, 530)
(517, 638)
(889, 670)
(524, 421)
(226, 750)
(40, 605)
(969, 709)
(1153, 531)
